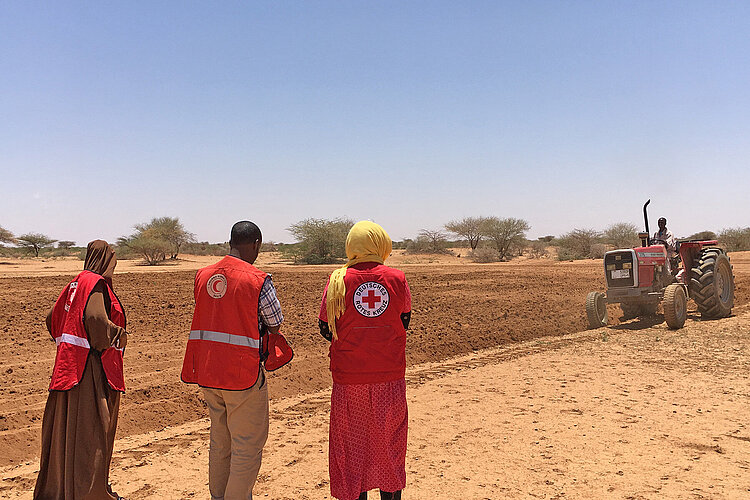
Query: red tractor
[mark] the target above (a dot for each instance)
(640, 278)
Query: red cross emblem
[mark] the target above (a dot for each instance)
(371, 299)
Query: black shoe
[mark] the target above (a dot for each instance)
(385, 495)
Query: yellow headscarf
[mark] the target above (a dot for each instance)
(366, 242)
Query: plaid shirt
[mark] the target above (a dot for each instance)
(269, 308)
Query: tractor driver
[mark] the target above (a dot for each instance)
(665, 235)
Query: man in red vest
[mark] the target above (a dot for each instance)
(235, 305)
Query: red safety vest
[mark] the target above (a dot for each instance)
(69, 332)
(223, 351)
(371, 345)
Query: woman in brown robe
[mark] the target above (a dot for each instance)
(78, 429)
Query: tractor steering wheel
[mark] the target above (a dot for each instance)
(660, 242)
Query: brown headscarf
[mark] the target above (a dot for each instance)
(100, 259)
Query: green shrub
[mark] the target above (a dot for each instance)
(484, 255)
(703, 235)
(538, 249)
(206, 248)
(735, 239)
(428, 242)
(579, 244)
(321, 241)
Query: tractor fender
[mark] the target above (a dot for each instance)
(684, 289)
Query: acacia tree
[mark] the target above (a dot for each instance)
(469, 228)
(6, 236)
(322, 241)
(735, 239)
(578, 244)
(505, 234)
(621, 235)
(152, 249)
(429, 241)
(169, 230)
(35, 242)
(66, 244)
(156, 239)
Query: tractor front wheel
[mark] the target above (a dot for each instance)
(712, 283)
(596, 310)
(675, 306)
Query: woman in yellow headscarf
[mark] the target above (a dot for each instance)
(365, 313)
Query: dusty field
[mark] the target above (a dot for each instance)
(56, 266)
(458, 309)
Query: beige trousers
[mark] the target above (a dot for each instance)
(239, 429)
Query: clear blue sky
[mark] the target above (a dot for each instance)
(567, 114)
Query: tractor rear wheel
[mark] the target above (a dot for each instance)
(596, 310)
(712, 283)
(675, 306)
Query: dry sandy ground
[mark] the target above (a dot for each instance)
(630, 411)
(13, 267)
(626, 412)
(10, 267)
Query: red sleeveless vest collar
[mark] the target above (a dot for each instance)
(70, 335)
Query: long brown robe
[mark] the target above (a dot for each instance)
(78, 428)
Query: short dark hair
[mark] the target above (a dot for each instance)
(244, 233)
(662, 219)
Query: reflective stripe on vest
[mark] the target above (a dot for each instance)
(224, 338)
(72, 339)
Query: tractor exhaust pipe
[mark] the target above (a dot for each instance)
(647, 240)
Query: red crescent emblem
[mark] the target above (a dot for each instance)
(217, 286)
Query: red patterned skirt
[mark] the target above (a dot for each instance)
(367, 438)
